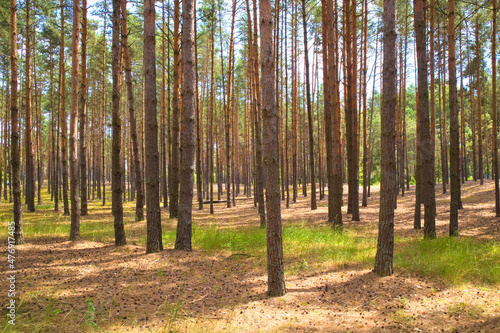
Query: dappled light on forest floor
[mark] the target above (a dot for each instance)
(221, 286)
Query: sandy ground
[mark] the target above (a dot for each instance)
(86, 286)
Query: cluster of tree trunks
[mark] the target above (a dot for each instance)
(250, 118)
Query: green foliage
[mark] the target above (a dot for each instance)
(454, 260)
(90, 314)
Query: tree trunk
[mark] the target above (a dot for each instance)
(30, 158)
(139, 204)
(275, 269)
(73, 136)
(83, 114)
(174, 161)
(184, 224)
(309, 111)
(426, 159)
(163, 130)
(116, 167)
(454, 125)
(63, 117)
(332, 115)
(294, 105)
(479, 113)
(228, 109)
(14, 116)
(494, 130)
(153, 214)
(103, 101)
(385, 243)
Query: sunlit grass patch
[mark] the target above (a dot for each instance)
(309, 246)
(456, 260)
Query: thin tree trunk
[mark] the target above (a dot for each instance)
(309, 111)
(30, 158)
(139, 204)
(294, 105)
(228, 109)
(479, 113)
(73, 136)
(454, 125)
(14, 116)
(163, 133)
(494, 130)
(63, 117)
(199, 126)
(174, 161)
(83, 114)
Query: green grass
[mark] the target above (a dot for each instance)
(455, 260)
(306, 247)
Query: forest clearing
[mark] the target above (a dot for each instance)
(448, 284)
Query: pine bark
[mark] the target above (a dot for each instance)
(184, 224)
(332, 115)
(153, 214)
(494, 133)
(385, 243)
(138, 175)
(116, 167)
(73, 136)
(63, 117)
(479, 113)
(454, 125)
(426, 159)
(14, 116)
(30, 154)
(275, 269)
(309, 111)
(174, 161)
(83, 115)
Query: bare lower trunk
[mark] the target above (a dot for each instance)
(116, 167)
(73, 136)
(385, 243)
(153, 214)
(184, 224)
(275, 269)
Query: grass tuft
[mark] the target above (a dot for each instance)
(454, 260)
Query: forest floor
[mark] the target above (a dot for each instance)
(91, 285)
